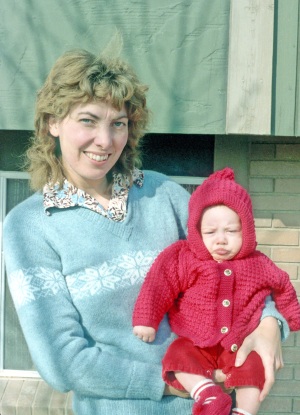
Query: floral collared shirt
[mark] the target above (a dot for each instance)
(70, 196)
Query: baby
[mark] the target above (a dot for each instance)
(213, 287)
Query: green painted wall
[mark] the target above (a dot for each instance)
(178, 48)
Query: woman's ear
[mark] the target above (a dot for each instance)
(53, 126)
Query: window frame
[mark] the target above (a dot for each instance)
(4, 176)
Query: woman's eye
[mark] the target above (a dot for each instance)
(119, 124)
(86, 121)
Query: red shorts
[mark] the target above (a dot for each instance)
(182, 355)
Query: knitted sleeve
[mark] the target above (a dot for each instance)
(160, 289)
(286, 301)
(283, 294)
(58, 342)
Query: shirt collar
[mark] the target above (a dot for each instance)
(69, 196)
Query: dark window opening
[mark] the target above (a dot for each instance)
(179, 154)
(13, 144)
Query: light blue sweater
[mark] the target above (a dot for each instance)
(74, 276)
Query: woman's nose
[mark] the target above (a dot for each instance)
(103, 137)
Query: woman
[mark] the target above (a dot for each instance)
(77, 250)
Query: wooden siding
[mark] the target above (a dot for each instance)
(249, 87)
(201, 81)
(286, 67)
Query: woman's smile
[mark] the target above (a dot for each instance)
(96, 157)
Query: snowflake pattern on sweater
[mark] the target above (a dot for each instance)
(33, 283)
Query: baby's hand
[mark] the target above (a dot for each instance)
(147, 334)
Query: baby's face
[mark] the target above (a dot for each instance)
(221, 232)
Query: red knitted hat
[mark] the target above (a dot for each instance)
(220, 188)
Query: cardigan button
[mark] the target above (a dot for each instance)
(227, 272)
(226, 303)
(234, 348)
(224, 330)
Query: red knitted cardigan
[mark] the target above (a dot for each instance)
(212, 302)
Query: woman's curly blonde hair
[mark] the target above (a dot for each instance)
(78, 76)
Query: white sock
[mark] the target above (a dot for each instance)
(200, 387)
(238, 411)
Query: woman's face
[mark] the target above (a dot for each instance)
(92, 137)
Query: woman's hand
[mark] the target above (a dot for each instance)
(266, 341)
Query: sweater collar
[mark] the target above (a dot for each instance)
(70, 196)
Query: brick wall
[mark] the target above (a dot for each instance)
(274, 185)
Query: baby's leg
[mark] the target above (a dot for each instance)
(189, 380)
(247, 379)
(209, 398)
(247, 401)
